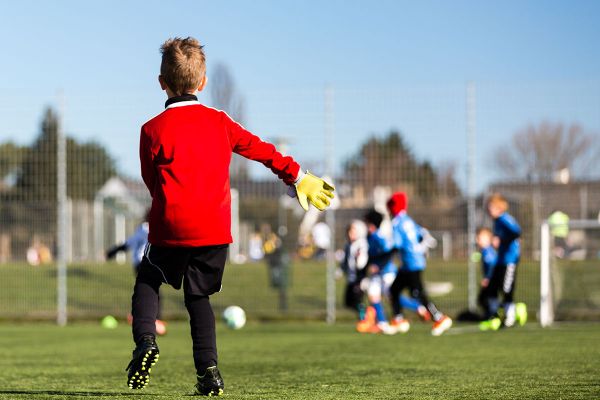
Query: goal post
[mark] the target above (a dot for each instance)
(570, 276)
(546, 304)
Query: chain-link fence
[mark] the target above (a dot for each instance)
(377, 141)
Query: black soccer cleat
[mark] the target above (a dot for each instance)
(211, 383)
(145, 356)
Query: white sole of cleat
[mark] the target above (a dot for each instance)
(443, 327)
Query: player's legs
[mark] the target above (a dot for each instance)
(353, 298)
(160, 326)
(144, 310)
(417, 291)
(441, 322)
(495, 285)
(405, 301)
(482, 300)
(396, 288)
(374, 292)
(399, 323)
(202, 324)
(508, 288)
(490, 295)
(144, 303)
(202, 278)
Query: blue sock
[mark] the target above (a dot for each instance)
(361, 312)
(410, 303)
(379, 312)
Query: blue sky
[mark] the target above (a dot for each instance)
(392, 64)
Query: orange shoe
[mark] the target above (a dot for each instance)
(441, 326)
(400, 325)
(370, 314)
(424, 313)
(366, 325)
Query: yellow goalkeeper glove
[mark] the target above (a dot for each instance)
(311, 188)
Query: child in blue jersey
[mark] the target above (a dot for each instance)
(410, 241)
(488, 262)
(136, 243)
(506, 235)
(382, 272)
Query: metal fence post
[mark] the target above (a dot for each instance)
(330, 213)
(61, 216)
(472, 279)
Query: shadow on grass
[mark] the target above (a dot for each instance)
(71, 393)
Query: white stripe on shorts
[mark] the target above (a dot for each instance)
(509, 278)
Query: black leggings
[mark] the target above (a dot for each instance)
(412, 281)
(202, 319)
(353, 296)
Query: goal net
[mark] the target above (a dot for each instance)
(570, 272)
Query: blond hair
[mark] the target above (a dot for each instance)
(484, 231)
(499, 201)
(183, 64)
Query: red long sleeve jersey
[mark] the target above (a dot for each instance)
(185, 153)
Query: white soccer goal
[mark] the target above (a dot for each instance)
(570, 272)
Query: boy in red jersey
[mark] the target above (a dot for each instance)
(185, 153)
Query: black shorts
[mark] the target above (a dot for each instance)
(199, 268)
(411, 280)
(503, 280)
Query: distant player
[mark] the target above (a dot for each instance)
(353, 265)
(136, 243)
(410, 240)
(381, 274)
(506, 237)
(185, 152)
(484, 238)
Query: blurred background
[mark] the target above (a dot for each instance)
(448, 102)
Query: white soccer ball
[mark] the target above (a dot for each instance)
(234, 317)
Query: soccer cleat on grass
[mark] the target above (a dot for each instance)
(441, 326)
(211, 383)
(144, 357)
(521, 313)
(365, 326)
(510, 316)
(400, 324)
(492, 324)
(385, 328)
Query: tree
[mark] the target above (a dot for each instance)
(89, 166)
(225, 97)
(11, 157)
(539, 153)
(388, 161)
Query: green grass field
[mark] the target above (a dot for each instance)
(99, 289)
(293, 360)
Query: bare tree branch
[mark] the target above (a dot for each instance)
(538, 153)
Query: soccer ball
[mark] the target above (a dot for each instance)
(234, 317)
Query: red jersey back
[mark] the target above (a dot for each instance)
(185, 153)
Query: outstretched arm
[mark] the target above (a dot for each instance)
(308, 187)
(112, 252)
(246, 144)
